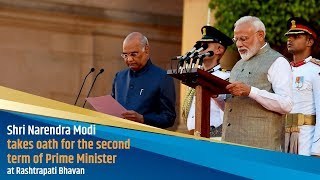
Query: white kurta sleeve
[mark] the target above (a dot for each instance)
(280, 76)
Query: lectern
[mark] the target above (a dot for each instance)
(206, 85)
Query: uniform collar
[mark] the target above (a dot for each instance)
(141, 71)
(301, 62)
(214, 69)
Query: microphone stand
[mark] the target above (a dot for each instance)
(91, 70)
(101, 71)
(200, 62)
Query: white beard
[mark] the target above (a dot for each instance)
(250, 52)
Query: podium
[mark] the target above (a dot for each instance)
(206, 86)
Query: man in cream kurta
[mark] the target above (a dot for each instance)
(260, 88)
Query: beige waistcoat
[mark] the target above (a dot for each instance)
(246, 121)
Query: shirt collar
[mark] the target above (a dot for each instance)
(214, 69)
(301, 62)
(263, 49)
(264, 45)
(308, 59)
(142, 70)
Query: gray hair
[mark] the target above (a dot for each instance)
(142, 39)
(256, 22)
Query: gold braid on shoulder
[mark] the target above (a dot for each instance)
(315, 61)
(187, 104)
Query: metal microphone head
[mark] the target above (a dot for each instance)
(197, 45)
(211, 53)
(196, 54)
(176, 58)
(204, 46)
(92, 70)
(207, 54)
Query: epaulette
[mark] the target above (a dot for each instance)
(315, 61)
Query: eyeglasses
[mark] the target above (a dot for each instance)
(132, 54)
(242, 39)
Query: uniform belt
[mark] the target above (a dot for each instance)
(293, 120)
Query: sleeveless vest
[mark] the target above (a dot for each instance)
(246, 122)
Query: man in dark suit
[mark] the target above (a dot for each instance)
(144, 89)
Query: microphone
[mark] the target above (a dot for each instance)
(187, 60)
(207, 54)
(203, 47)
(180, 64)
(200, 62)
(91, 70)
(177, 58)
(101, 71)
(201, 57)
(195, 47)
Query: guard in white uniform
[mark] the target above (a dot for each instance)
(216, 111)
(218, 43)
(303, 122)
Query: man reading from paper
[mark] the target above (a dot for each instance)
(144, 89)
(261, 90)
